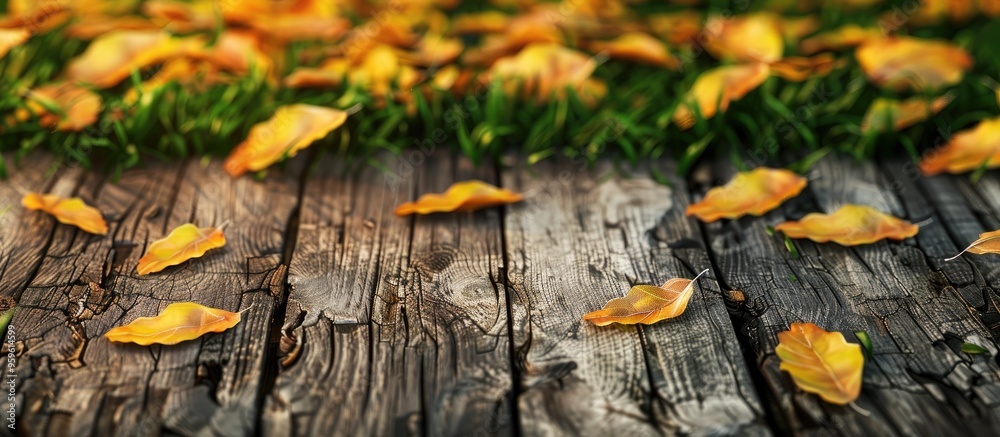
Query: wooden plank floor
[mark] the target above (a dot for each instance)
(359, 322)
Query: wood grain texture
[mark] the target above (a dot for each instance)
(78, 383)
(919, 382)
(402, 321)
(582, 238)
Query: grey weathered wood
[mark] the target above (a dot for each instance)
(75, 382)
(580, 239)
(919, 382)
(402, 320)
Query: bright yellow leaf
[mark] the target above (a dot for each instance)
(544, 71)
(715, 89)
(894, 115)
(748, 38)
(10, 38)
(637, 47)
(966, 150)
(68, 211)
(902, 63)
(110, 58)
(841, 38)
(185, 242)
(851, 225)
(647, 304)
(176, 323)
(290, 129)
(752, 192)
(821, 362)
(461, 196)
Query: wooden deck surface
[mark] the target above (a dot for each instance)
(358, 322)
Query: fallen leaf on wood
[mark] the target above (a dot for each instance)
(752, 192)
(821, 362)
(647, 304)
(966, 150)
(68, 211)
(851, 225)
(988, 242)
(176, 323)
(185, 242)
(461, 196)
(292, 128)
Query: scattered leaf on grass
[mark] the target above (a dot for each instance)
(10, 38)
(988, 242)
(68, 211)
(821, 362)
(461, 196)
(185, 242)
(61, 106)
(176, 323)
(753, 192)
(966, 150)
(885, 115)
(637, 47)
(851, 225)
(647, 304)
(110, 58)
(715, 89)
(903, 63)
(292, 128)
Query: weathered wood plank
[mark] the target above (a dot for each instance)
(402, 321)
(78, 383)
(919, 382)
(582, 238)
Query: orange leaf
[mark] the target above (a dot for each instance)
(235, 51)
(912, 63)
(966, 150)
(461, 196)
(798, 69)
(545, 70)
(893, 115)
(753, 192)
(821, 362)
(638, 47)
(749, 38)
(988, 242)
(483, 22)
(110, 58)
(10, 38)
(176, 323)
(292, 128)
(79, 106)
(842, 38)
(716, 88)
(677, 28)
(647, 304)
(185, 242)
(850, 225)
(68, 211)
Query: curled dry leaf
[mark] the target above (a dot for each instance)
(77, 107)
(753, 192)
(544, 71)
(68, 211)
(292, 128)
(821, 362)
(647, 304)
(110, 58)
(886, 115)
(461, 196)
(988, 242)
(637, 47)
(902, 63)
(185, 242)
(176, 323)
(10, 38)
(715, 89)
(851, 225)
(966, 150)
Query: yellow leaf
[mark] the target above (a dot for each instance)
(544, 71)
(753, 192)
(677, 28)
(750, 38)
(988, 242)
(79, 106)
(647, 304)
(110, 58)
(176, 323)
(432, 50)
(716, 88)
(68, 211)
(637, 47)
(461, 196)
(966, 150)
(798, 69)
(902, 63)
(894, 115)
(839, 39)
(235, 51)
(185, 242)
(292, 128)
(483, 22)
(850, 225)
(821, 362)
(10, 38)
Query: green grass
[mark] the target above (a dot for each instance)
(795, 123)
